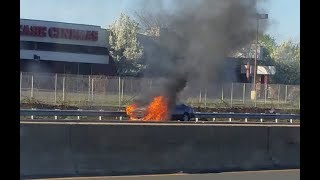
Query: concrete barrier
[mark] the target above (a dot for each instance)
(284, 146)
(45, 150)
(158, 149)
(105, 149)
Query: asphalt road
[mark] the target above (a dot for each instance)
(246, 175)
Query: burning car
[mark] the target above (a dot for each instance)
(158, 110)
(180, 112)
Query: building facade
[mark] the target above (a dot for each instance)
(56, 47)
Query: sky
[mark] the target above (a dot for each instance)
(284, 15)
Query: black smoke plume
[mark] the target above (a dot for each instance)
(197, 37)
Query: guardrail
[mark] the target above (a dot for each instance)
(246, 116)
(52, 112)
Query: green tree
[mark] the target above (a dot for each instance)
(287, 62)
(287, 73)
(269, 45)
(125, 48)
(285, 57)
(287, 52)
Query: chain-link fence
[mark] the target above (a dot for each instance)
(116, 91)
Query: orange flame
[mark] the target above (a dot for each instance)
(157, 110)
(130, 109)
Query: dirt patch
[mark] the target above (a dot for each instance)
(66, 107)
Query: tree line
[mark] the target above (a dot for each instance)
(128, 53)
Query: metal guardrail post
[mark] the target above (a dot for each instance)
(32, 115)
(246, 119)
(78, 117)
(214, 119)
(230, 119)
(56, 117)
(276, 119)
(100, 117)
(261, 120)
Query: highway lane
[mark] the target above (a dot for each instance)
(292, 174)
